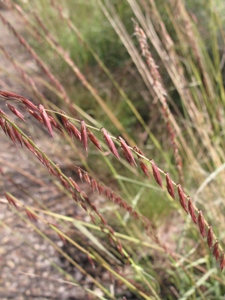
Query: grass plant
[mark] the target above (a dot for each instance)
(137, 95)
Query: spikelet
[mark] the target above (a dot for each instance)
(216, 252)
(16, 112)
(29, 146)
(35, 115)
(84, 137)
(192, 211)
(11, 200)
(45, 118)
(9, 132)
(31, 215)
(110, 143)
(75, 185)
(87, 178)
(54, 123)
(17, 136)
(73, 131)
(222, 261)
(210, 237)
(169, 185)
(127, 152)
(182, 197)
(94, 140)
(156, 173)
(201, 224)
(29, 104)
(144, 168)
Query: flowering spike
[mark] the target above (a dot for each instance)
(110, 143)
(210, 237)
(45, 119)
(84, 138)
(169, 185)
(201, 224)
(127, 152)
(192, 211)
(156, 173)
(94, 140)
(182, 197)
(16, 112)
